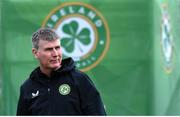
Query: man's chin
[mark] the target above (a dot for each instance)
(56, 67)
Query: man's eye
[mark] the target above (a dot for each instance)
(48, 49)
(57, 47)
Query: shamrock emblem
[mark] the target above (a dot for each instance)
(75, 33)
(64, 89)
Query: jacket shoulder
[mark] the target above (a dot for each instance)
(80, 74)
(82, 78)
(27, 84)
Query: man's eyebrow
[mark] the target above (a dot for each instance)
(48, 48)
(57, 46)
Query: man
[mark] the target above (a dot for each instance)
(56, 87)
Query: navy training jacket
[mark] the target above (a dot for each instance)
(67, 92)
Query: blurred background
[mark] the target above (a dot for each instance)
(138, 73)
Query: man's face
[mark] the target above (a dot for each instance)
(49, 54)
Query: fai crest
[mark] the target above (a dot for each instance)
(84, 33)
(167, 40)
(64, 89)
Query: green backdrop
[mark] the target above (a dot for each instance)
(131, 77)
(166, 86)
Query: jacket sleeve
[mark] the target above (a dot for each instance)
(22, 108)
(91, 103)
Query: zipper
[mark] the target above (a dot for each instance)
(49, 90)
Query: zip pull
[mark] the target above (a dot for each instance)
(49, 90)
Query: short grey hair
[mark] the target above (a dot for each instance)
(46, 34)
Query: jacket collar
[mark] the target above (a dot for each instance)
(66, 66)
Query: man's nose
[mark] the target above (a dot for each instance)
(54, 52)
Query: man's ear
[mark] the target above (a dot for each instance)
(35, 52)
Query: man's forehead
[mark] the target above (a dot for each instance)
(52, 43)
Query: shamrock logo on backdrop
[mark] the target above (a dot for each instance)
(75, 33)
(84, 33)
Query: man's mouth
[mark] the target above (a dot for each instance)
(54, 61)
